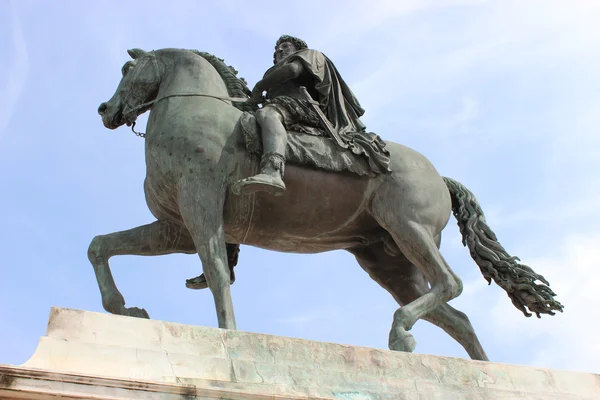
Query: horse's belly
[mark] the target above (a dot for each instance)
(319, 211)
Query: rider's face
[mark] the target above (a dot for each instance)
(284, 50)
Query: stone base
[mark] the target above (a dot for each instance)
(87, 355)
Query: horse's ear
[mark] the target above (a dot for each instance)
(135, 53)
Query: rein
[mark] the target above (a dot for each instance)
(152, 102)
(133, 110)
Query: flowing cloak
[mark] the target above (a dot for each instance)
(342, 108)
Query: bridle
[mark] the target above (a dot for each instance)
(128, 110)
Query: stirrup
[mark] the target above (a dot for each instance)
(259, 183)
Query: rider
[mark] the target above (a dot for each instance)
(287, 108)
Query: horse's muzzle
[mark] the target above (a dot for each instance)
(102, 109)
(110, 118)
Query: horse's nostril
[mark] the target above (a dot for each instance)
(102, 108)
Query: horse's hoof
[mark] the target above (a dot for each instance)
(114, 304)
(137, 313)
(401, 340)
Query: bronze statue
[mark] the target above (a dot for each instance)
(299, 75)
(197, 147)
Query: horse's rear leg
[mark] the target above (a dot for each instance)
(406, 283)
(202, 210)
(419, 248)
(412, 227)
(456, 324)
(157, 238)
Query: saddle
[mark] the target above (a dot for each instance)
(307, 149)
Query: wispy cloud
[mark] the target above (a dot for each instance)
(308, 317)
(18, 69)
(457, 122)
(301, 319)
(581, 141)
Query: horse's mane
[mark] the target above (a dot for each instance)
(236, 87)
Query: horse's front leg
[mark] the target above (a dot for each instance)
(157, 238)
(201, 207)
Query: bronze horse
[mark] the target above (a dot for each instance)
(391, 223)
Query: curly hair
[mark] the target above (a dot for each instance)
(299, 44)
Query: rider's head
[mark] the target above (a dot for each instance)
(286, 45)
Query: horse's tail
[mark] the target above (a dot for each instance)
(495, 263)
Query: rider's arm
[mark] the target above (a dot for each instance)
(280, 75)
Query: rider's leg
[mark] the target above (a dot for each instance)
(274, 138)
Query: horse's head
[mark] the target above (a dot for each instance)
(139, 85)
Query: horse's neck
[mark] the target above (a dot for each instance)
(191, 74)
(180, 76)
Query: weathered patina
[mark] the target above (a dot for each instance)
(392, 222)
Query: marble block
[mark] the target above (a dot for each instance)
(88, 355)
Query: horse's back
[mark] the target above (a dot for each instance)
(323, 210)
(405, 161)
(414, 191)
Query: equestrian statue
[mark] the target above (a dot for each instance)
(288, 166)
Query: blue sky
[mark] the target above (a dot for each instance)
(503, 96)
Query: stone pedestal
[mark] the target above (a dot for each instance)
(87, 355)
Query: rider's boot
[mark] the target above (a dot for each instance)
(272, 166)
(199, 282)
(270, 178)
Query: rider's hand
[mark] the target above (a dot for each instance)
(256, 99)
(257, 95)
